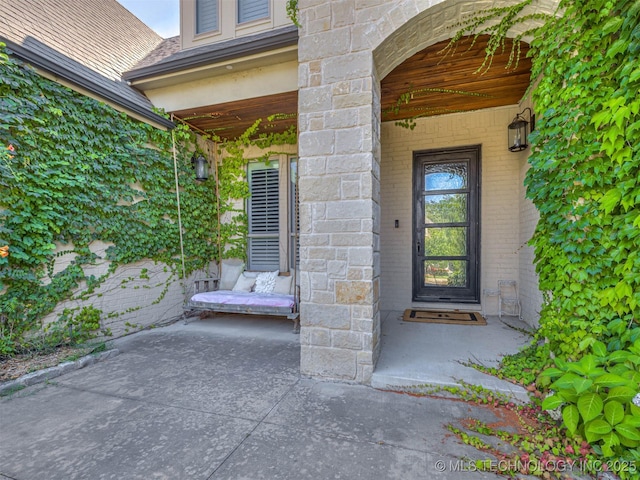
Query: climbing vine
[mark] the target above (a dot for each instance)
(585, 182)
(74, 171)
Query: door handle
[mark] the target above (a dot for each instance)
(418, 246)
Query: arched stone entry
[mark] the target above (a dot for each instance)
(345, 49)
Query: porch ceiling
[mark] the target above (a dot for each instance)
(434, 84)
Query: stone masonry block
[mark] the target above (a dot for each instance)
(336, 268)
(350, 140)
(314, 189)
(315, 99)
(355, 162)
(325, 44)
(332, 226)
(350, 239)
(323, 298)
(346, 67)
(354, 293)
(346, 339)
(349, 209)
(352, 100)
(335, 363)
(316, 143)
(328, 316)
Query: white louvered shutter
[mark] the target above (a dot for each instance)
(264, 217)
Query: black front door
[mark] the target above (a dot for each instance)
(446, 225)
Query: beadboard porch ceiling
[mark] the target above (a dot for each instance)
(428, 83)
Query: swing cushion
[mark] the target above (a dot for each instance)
(226, 297)
(283, 285)
(231, 270)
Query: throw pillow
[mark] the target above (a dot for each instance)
(283, 285)
(266, 282)
(244, 284)
(231, 270)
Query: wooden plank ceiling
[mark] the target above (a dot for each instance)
(428, 83)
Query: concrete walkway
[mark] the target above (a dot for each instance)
(223, 399)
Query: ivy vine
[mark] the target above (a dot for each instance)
(74, 171)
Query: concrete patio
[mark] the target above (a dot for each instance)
(222, 398)
(428, 353)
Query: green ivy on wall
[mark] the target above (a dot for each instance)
(73, 171)
(585, 170)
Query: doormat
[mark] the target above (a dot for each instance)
(456, 318)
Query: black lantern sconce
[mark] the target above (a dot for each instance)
(519, 129)
(201, 166)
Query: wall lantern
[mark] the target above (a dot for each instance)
(518, 131)
(201, 166)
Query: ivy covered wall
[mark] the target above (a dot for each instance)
(86, 190)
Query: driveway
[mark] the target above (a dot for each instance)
(222, 398)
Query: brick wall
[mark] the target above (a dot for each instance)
(500, 193)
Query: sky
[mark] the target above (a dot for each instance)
(163, 16)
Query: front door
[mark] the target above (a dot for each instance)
(446, 244)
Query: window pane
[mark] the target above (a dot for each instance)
(450, 208)
(445, 273)
(445, 242)
(445, 176)
(206, 16)
(249, 10)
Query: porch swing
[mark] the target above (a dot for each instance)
(231, 290)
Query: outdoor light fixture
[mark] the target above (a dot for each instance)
(200, 165)
(518, 131)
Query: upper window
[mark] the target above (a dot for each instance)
(249, 10)
(206, 16)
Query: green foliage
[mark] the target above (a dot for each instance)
(292, 11)
(585, 174)
(74, 171)
(596, 396)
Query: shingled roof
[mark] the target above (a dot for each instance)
(88, 43)
(169, 58)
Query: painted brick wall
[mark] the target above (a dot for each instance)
(530, 295)
(501, 193)
(134, 297)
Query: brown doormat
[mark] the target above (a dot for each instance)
(457, 318)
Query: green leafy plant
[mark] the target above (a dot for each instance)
(597, 396)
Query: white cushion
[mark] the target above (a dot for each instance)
(244, 284)
(231, 270)
(266, 282)
(283, 285)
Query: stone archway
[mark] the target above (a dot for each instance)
(344, 52)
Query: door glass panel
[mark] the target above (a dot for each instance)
(445, 176)
(445, 273)
(445, 242)
(449, 208)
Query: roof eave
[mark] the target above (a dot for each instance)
(284, 38)
(47, 65)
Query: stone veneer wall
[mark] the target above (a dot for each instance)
(346, 47)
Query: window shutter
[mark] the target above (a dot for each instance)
(206, 16)
(264, 218)
(249, 10)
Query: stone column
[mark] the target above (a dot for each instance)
(339, 196)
